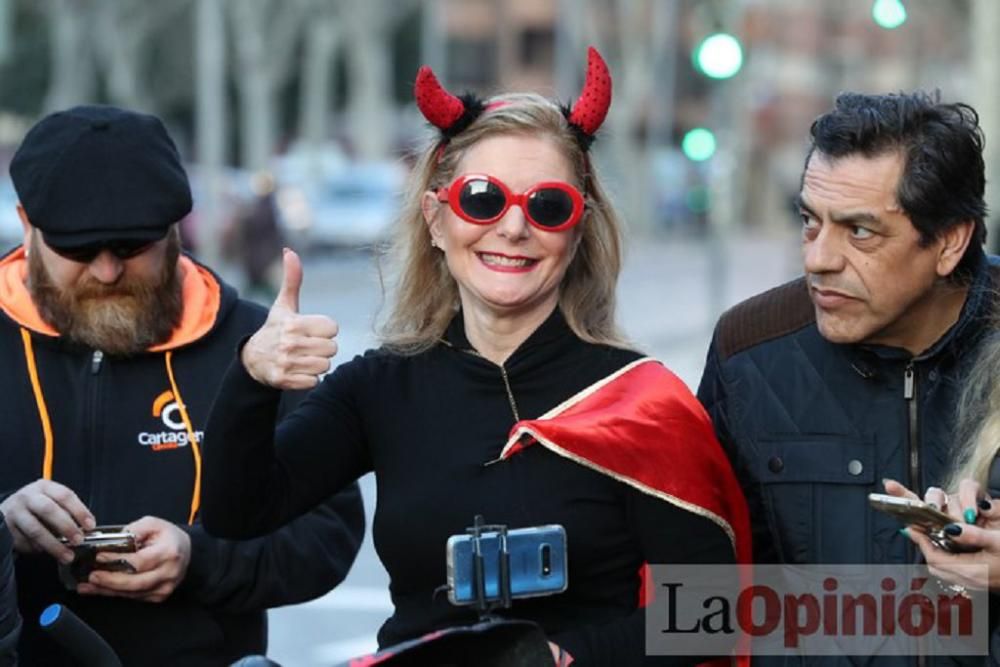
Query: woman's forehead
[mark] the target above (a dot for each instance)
(531, 157)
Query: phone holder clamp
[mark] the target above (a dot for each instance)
(485, 607)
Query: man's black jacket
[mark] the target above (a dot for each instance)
(813, 427)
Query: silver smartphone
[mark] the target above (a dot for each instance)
(103, 538)
(538, 564)
(918, 513)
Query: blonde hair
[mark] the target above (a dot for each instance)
(425, 295)
(977, 424)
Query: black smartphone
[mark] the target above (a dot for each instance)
(538, 564)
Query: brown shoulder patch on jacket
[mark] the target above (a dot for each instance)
(771, 314)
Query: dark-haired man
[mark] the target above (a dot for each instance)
(113, 342)
(822, 387)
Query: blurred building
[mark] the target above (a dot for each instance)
(800, 55)
(797, 57)
(509, 45)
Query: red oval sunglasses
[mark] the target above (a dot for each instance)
(552, 206)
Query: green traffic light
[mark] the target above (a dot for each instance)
(719, 56)
(889, 14)
(698, 144)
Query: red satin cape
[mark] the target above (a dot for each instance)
(642, 426)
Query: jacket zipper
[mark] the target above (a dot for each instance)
(510, 394)
(910, 395)
(506, 383)
(96, 363)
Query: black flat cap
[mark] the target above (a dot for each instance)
(98, 173)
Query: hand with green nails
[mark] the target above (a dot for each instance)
(976, 526)
(969, 505)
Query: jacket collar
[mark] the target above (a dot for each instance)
(976, 311)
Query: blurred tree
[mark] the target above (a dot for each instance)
(984, 22)
(323, 36)
(72, 78)
(408, 47)
(6, 20)
(642, 37)
(25, 71)
(210, 121)
(369, 44)
(265, 36)
(124, 31)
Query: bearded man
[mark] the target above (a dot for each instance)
(113, 342)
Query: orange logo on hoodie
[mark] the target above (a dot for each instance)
(166, 408)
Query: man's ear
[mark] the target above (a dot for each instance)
(430, 207)
(953, 243)
(25, 226)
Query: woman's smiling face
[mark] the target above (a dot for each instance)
(509, 266)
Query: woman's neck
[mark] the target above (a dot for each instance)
(496, 336)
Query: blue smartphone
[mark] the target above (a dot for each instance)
(537, 563)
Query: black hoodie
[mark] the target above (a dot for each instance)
(114, 431)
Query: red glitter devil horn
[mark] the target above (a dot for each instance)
(437, 105)
(591, 108)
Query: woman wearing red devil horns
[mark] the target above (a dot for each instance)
(503, 388)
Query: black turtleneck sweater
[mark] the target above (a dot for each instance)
(426, 424)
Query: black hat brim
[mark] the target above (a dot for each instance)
(90, 237)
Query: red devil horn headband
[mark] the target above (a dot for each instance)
(591, 108)
(453, 114)
(437, 105)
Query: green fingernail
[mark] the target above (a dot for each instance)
(905, 532)
(970, 515)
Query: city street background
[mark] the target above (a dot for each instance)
(296, 123)
(665, 293)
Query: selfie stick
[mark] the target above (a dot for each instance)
(484, 607)
(77, 637)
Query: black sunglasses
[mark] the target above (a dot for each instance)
(120, 248)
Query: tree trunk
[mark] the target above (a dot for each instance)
(256, 103)
(72, 79)
(985, 17)
(317, 79)
(6, 21)
(119, 46)
(370, 108)
(210, 121)
(631, 85)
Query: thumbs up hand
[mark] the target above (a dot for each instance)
(290, 351)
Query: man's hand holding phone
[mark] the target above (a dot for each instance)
(159, 564)
(103, 539)
(41, 513)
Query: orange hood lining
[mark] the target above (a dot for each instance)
(202, 297)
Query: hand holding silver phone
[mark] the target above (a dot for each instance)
(918, 513)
